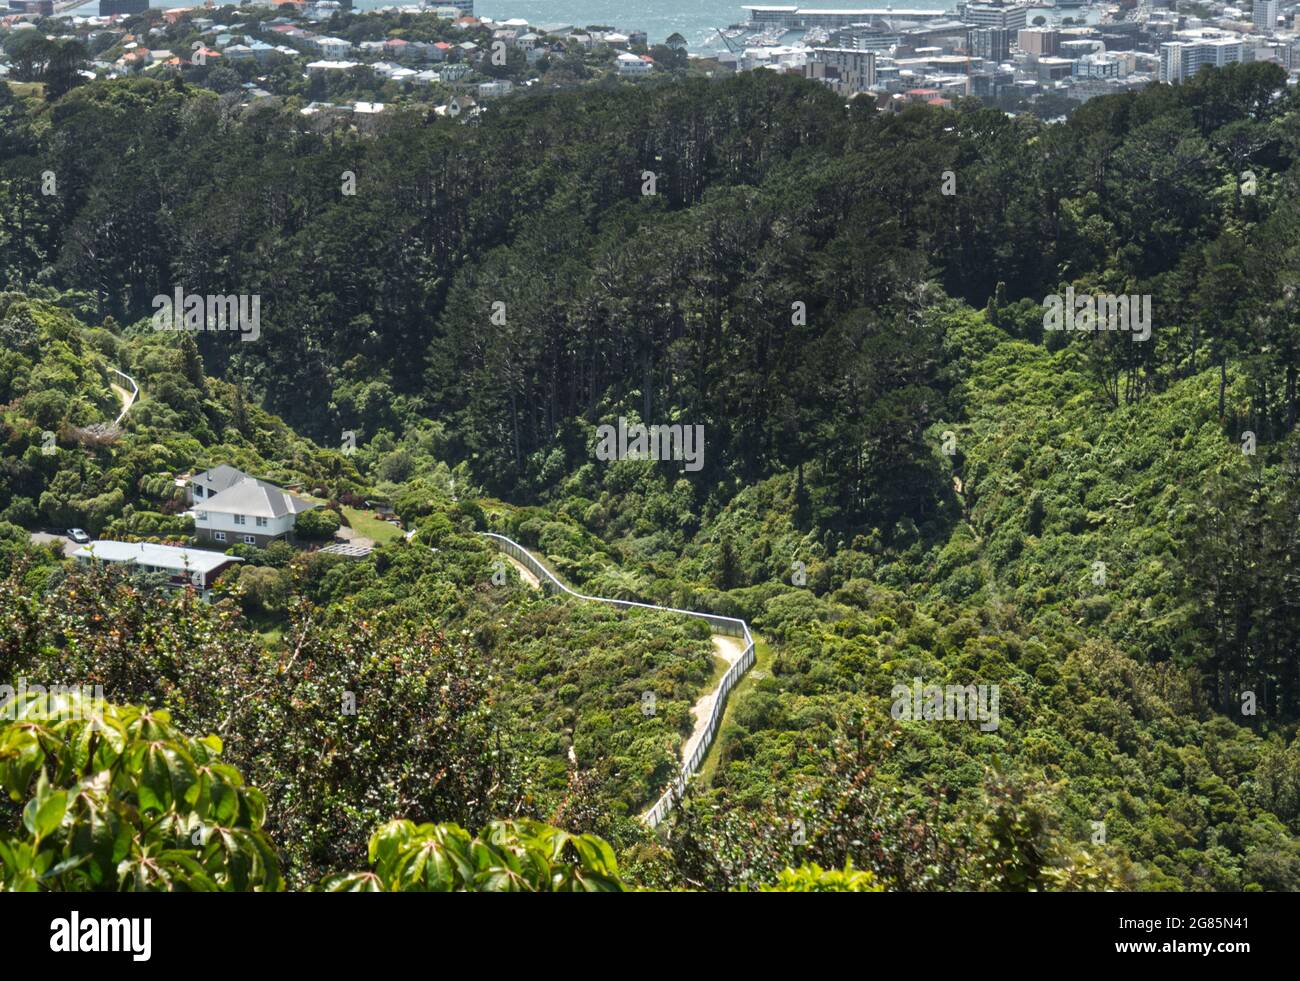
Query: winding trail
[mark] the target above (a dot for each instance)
(731, 650)
(525, 573)
(127, 398)
(731, 639)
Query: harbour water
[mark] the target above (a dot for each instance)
(695, 20)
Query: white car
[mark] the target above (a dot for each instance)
(79, 536)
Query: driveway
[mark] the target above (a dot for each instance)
(44, 538)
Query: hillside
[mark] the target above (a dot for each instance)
(907, 479)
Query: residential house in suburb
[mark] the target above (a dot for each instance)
(230, 507)
(182, 566)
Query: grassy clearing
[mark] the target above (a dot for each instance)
(269, 629)
(25, 90)
(365, 523)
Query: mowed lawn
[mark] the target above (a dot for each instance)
(366, 524)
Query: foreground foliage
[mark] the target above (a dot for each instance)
(506, 856)
(115, 798)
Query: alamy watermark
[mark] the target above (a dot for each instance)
(240, 312)
(964, 703)
(640, 442)
(1097, 312)
(56, 703)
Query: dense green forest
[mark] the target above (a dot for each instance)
(905, 477)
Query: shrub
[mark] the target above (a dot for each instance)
(506, 856)
(813, 878)
(119, 800)
(318, 523)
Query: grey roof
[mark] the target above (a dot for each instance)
(162, 556)
(257, 498)
(217, 479)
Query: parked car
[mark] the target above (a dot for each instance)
(79, 536)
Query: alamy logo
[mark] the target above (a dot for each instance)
(215, 311)
(965, 703)
(57, 703)
(1101, 311)
(659, 443)
(99, 934)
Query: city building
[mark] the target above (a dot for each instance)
(1097, 65)
(846, 71)
(1007, 17)
(1264, 16)
(1181, 60)
(1039, 41)
(990, 43)
(1054, 69)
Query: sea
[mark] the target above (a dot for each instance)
(696, 20)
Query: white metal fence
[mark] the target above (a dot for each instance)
(135, 394)
(729, 626)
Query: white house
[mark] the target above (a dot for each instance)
(630, 64)
(230, 507)
(333, 48)
(317, 67)
(183, 566)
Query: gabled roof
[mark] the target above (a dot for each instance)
(257, 498)
(217, 479)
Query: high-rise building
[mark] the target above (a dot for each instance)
(990, 43)
(1264, 16)
(1043, 42)
(846, 71)
(1181, 60)
(995, 15)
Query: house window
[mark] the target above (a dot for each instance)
(261, 522)
(218, 536)
(239, 519)
(198, 491)
(250, 539)
(201, 515)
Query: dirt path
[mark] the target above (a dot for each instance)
(126, 398)
(730, 649)
(524, 572)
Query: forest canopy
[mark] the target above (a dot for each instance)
(906, 473)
